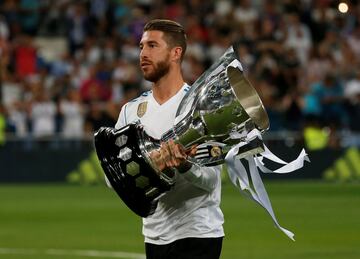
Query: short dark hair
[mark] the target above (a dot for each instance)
(174, 33)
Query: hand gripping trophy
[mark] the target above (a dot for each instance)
(222, 115)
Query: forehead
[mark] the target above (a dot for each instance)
(151, 36)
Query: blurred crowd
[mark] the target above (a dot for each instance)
(302, 56)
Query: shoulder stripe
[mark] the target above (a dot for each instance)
(146, 93)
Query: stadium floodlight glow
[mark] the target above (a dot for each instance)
(343, 7)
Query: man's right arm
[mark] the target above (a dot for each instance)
(122, 121)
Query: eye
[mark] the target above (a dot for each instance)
(152, 45)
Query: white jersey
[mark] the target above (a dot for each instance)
(43, 118)
(192, 207)
(73, 119)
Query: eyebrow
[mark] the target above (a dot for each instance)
(148, 42)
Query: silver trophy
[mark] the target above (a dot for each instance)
(217, 113)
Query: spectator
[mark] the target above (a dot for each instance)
(354, 41)
(18, 119)
(98, 116)
(78, 27)
(42, 114)
(25, 56)
(11, 13)
(30, 15)
(94, 89)
(352, 95)
(298, 37)
(72, 112)
(221, 40)
(320, 64)
(331, 97)
(4, 28)
(193, 68)
(246, 15)
(61, 66)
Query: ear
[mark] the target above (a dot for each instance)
(176, 54)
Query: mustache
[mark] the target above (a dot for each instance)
(145, 62)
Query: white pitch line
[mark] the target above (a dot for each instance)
(59, 252)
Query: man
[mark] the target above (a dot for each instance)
(188, 221)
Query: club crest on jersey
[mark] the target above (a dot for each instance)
(142, 109)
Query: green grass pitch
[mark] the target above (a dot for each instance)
(324, 216)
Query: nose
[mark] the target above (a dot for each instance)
(143, 53)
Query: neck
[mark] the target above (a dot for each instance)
(167, 86)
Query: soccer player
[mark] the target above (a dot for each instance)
(187, 222)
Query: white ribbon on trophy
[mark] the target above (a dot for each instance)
(239, 175)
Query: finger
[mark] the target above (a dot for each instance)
(178, 149)
(157, 160)
(179, 152)
(177, 163)
(169, 147)
(165, 152)
(170, 163)
(168, 155)
(192, 150)
(175, 151)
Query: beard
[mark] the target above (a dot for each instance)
(161, 68)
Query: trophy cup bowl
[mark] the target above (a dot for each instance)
(221, 107)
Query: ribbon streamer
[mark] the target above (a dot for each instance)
(257, 192)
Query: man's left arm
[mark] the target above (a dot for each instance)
(206, 178)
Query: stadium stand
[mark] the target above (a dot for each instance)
(67, 66)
